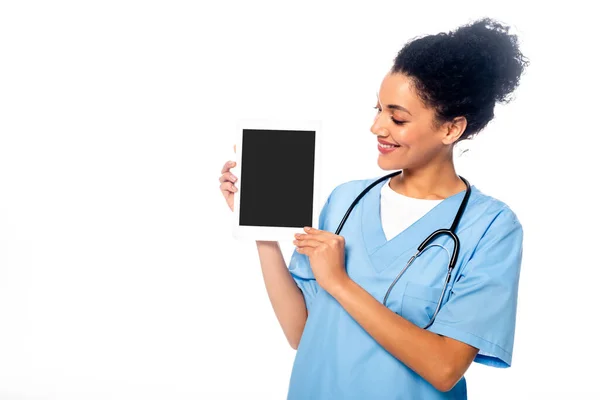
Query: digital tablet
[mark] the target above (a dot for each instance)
(278, 169)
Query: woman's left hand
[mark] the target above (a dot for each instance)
(325, 251)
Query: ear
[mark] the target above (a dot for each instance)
(454, 130)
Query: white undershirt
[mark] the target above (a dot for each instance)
(398, 212)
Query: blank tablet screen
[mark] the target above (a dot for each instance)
(277, 178)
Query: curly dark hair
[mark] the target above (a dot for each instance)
(464, 72)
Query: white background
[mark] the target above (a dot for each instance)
(119, 277)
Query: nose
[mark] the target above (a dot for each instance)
(378, 127)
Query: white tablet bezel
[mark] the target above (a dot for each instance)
(261, 233)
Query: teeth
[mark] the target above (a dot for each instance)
(387, 146)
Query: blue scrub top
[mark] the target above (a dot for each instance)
(338, 359)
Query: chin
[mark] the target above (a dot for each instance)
(389, 165)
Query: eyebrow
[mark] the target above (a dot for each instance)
(394, 106)
(397, 107)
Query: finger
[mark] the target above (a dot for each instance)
(325, 237)
(305, 250)
(228, 165)
(227, 177)
(309, 236)
(319, 234)
(228, 187)
(307, 243)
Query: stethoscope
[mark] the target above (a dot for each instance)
(426, 243)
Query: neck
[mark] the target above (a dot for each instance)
(433, 181)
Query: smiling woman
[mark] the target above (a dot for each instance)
(420, 277)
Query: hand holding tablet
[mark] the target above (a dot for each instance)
(227, 179)
(277, 190)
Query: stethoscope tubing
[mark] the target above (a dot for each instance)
(427, 243)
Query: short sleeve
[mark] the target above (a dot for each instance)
(481, 310)
(300, 267)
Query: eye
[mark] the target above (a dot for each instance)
(397, 122)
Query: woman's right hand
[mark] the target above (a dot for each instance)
(227, 180)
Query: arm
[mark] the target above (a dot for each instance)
(463, 330)
(285, 296)
(440, 360)
(292, 289)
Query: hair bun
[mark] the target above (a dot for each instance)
(497, 56)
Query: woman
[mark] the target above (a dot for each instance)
(360, 336)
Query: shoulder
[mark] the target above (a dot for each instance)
(493, 209)
(340, 198)
(350, 188)
(489, 219)
(492, 234)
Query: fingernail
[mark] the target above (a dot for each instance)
(233, 178)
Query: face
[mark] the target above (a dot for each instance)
(406, 130)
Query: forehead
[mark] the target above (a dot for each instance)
(397, 88)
